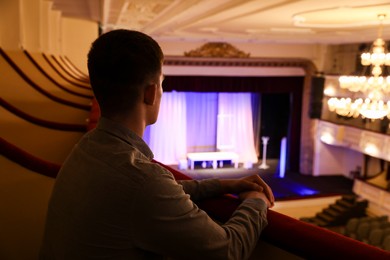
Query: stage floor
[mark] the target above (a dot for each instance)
(292, 186)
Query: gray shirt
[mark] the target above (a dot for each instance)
(111, 201)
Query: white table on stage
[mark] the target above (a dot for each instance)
(212, 156)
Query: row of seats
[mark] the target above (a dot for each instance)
(371, 230)
(337, 214)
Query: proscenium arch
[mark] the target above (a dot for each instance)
(273, 75)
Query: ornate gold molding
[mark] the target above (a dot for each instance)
(217, 49)
(307, 65)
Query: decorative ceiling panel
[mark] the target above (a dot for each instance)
(275, 21)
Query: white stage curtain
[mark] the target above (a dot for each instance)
(167, 138)
(201, 121)
(237, 128)
(188, 123)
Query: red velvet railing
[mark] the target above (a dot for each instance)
(41, 122)
(61, 75)
(33, 61)
(38, 88)
(313, 242)
(93, 116)
(28, 160)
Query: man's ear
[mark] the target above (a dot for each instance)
(150, 94)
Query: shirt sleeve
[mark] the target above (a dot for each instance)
(201, 189)
(170, 224)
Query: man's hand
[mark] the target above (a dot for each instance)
(256, 194)
(248, 185)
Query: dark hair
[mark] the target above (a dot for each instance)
(120, 64)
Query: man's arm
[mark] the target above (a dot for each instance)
(213, 187)
(170, 224)
(202, 189)
(249, 187)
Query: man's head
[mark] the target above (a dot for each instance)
(122, 64)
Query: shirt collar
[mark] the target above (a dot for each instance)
(125, 134)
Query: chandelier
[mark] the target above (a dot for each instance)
(369, 97)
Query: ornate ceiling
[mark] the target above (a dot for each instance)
(271, 21)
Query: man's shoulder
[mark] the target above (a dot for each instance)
(154, 169)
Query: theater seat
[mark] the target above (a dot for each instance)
(375, 237)
(386, 243)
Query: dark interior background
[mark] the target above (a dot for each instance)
(275, 119)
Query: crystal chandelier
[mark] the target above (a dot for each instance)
(370, 94)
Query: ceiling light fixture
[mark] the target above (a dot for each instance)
(369, 97)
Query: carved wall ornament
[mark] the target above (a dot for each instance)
(217, 49)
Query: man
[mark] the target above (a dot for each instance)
(112, 201)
